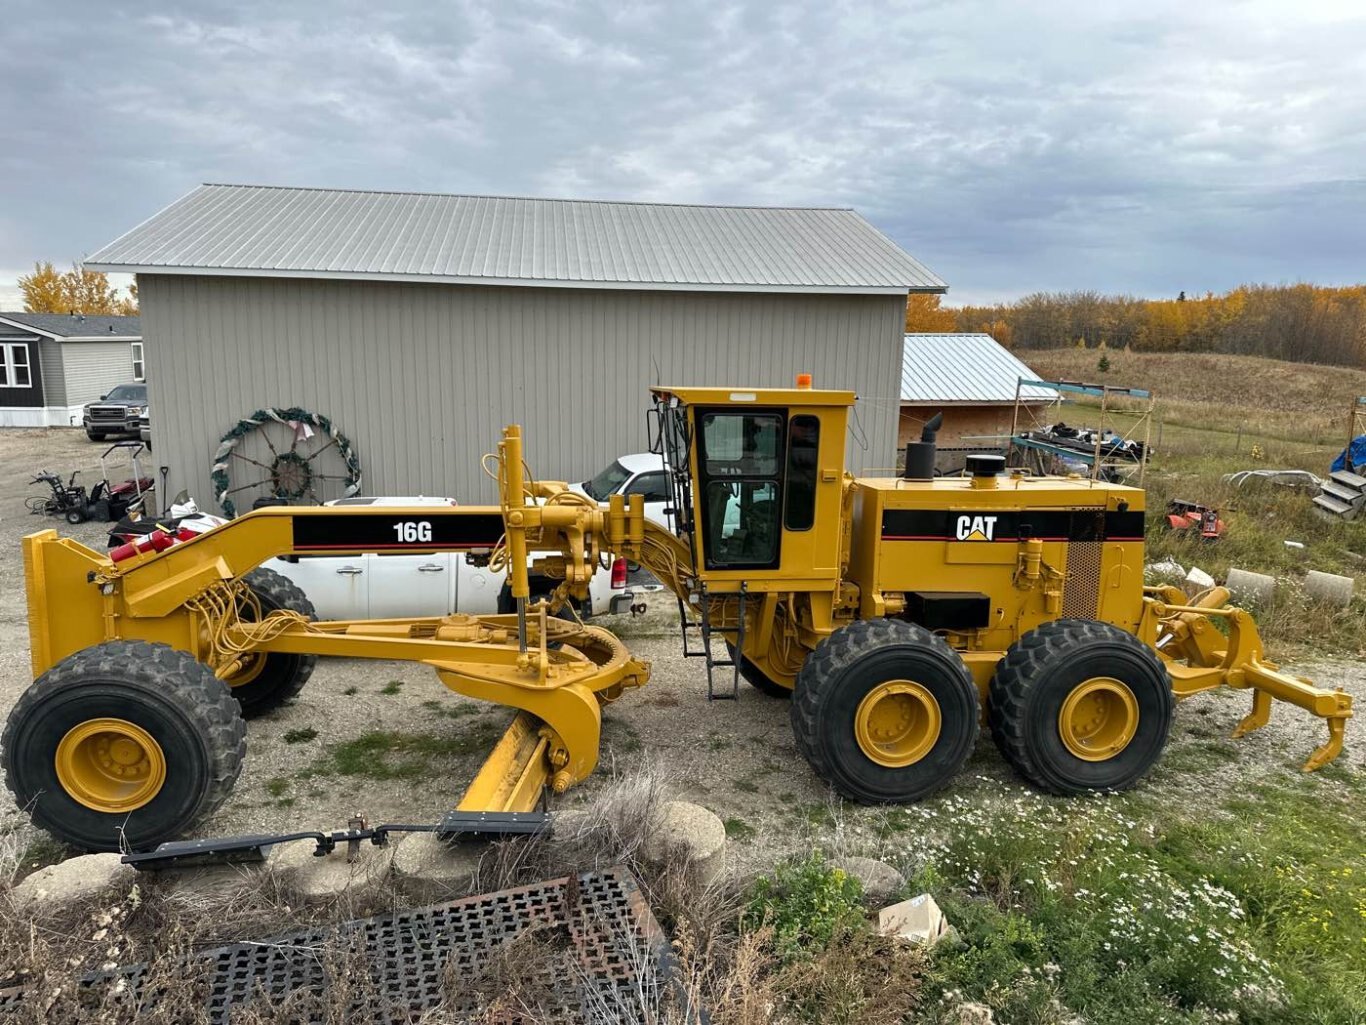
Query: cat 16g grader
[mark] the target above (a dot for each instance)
(893, 610)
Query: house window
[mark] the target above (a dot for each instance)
(14, 366)
(139, 370)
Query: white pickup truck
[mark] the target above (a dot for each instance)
(381, 586)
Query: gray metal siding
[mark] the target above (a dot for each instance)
(423, 377)
(92, 368)
(54, 376)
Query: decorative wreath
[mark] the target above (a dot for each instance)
(290, 474)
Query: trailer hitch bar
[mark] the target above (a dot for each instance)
(230, 850)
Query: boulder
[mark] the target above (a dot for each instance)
(691, 835)
(973, 1014)
(879, 879)
(224, 883)
(319, 879)
(75, 879)
(430, 868)
(1329, 588)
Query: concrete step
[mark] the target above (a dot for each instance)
(1342, 492)
(1336, 506)
(1350, 479)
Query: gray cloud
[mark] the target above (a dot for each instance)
(1182, 146)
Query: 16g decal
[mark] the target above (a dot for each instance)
(413, 531)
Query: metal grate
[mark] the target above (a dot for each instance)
(1081, 592)
(602, 957)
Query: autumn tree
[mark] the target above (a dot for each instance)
(1308, 323)
(76, 291)
(923, 315)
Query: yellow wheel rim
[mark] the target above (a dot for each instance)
(110, 765)
(251, 669)
(897, 723)
(1098, 719)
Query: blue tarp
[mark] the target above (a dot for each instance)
(1358, 455)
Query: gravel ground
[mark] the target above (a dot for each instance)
(737, 758)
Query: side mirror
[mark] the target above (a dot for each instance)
(103, 397)
(654, 430)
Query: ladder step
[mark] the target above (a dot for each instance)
(1350, 479)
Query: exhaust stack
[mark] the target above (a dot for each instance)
(920, 454)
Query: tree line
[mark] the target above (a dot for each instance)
(1303, 323)
(48, 290)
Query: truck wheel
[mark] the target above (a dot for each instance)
(754, 676)
(123, 743)
(885, 711)
(1079, 706)
(268, 681)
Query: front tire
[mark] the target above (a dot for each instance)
(754, 676)
(123, 743)
(1078, 706)
(885, 711)
(269, 680)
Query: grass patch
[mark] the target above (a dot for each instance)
(746, 785)
(302, 736)
(277, 787)
(1120, 910)
(739, 829)
(391, 754)
(351, 691)
(454, 709)
(392, 687)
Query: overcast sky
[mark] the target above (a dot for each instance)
(1010, 146)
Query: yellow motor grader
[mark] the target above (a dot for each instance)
(892, 610)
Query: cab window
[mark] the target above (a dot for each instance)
(741, 455)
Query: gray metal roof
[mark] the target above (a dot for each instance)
(76, 325)
(963, 369)
(287, 232)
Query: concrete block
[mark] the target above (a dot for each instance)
(1198, 580)
(918, 920)
(320, 879)
(691, 834)
(879, 880)
(1329, 587)
(430, 868)
(1252, 588)
(75, 879)
(1169, 571)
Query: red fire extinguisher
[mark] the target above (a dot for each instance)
(157, 541)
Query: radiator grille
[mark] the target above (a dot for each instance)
(1081, 590)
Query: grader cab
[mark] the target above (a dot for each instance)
(892, 610)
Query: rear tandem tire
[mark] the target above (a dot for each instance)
(194, 734)
(1114, 735)
(280, 676)
(892, 687)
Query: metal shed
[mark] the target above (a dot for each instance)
(421, 323)
(971, 379)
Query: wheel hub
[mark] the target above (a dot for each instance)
(110, 765)
(897, 723)
(1098, 719)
